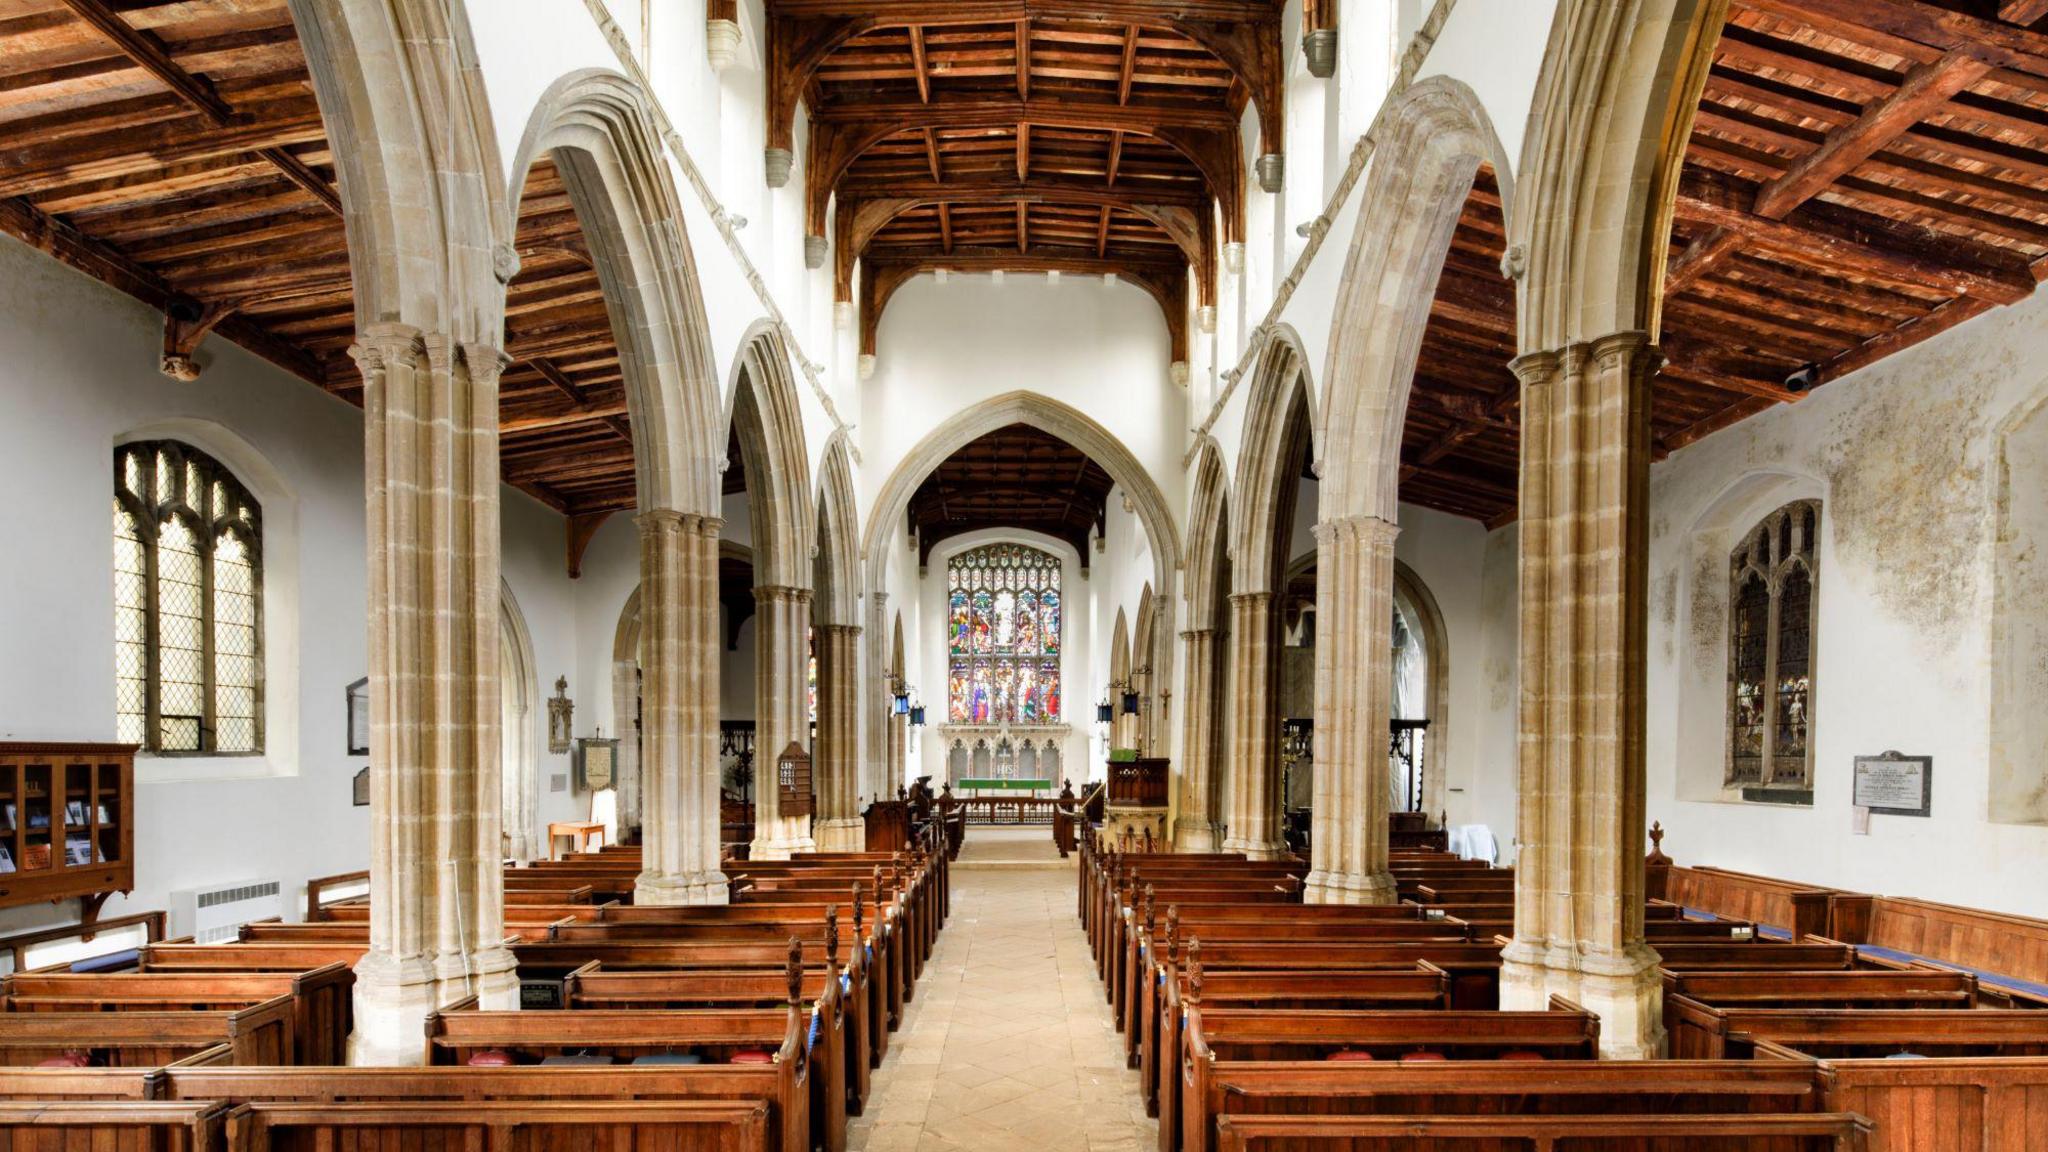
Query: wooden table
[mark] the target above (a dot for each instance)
(577, 832)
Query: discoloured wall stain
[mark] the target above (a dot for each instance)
(1906, 497)
(1498, 609)
(1664, 605)
(1709, 604)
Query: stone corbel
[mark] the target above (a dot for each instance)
(186, 323)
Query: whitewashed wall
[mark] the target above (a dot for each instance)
(1901, 456)
(78, 369)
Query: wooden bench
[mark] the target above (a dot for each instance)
(1214, 1039)
(258, 1034)
(594, 988)
(125, 1125)
(784, 1083)
(673, 1126)
(1905, 988)
(322, 999)
(1940, 1104)
(1703, 1031)
(1751, 1133)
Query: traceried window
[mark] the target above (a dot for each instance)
(1003, 635)
(1770, 651)
(188, 603)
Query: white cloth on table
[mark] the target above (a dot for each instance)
(1475, 842)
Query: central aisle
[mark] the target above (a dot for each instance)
(1009, 1044)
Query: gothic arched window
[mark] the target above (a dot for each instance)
(1003, 635)
(1771, 596)
(188, 603)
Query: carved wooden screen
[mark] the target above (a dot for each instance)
(1772, 588)
(188, 603)
(1003, 635)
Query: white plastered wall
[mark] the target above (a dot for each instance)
(81, 373)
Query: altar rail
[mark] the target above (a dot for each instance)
(1005, 809)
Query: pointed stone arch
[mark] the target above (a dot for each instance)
(1143, 679)
(1154, 514)
(519, 787)
(600, 129)
(835, 608)
(626, 719)
(1279, 432)
(1119, 672)
(767, 420)
(1204, 648)
(416, 156)
(1430, 141)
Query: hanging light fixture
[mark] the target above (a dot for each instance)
(917, 715)
(1130, 701)
(1103, 712)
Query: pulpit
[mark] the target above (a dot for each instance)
(1136, 799)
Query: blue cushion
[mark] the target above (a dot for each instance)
(111, 962)
(669, 1058)
(1996, 980)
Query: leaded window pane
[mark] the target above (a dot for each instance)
(188, 628)
(1770, 650)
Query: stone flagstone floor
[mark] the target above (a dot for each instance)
(1009, 1043)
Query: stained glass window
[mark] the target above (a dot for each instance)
(1770, 654)
(188, 603)
(1003, 635)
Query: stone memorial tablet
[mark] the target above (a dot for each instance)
(1894, 785)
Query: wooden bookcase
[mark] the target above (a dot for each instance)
(67, 822)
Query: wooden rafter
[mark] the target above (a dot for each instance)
(920, 64)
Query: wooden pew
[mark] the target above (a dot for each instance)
(1940, 1104)
(322, 999)
(1703, 1031)
(1905, 988)
(785, 1084)
(116, 1083)
(1214, 1039)
(1826, 1132)
(594, 988)
(125, 1125)
(674, 1126)
(258, 1034)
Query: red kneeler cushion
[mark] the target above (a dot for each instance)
(1522, 1056)
(67, 1060)
(490, 1058)
(1421, 1057)
(1350, 1055)
(752, 1056)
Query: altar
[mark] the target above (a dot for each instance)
(967, 786)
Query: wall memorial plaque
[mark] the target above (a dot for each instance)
(359, 717)
(1892, 784)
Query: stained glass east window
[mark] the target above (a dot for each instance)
(1003, 636)
(188, 603)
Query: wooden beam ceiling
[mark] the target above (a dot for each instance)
(947, 112)
(1862, 175)
(176, 153)
(1015, 477)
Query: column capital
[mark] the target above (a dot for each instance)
(780, 593)
(656, 521)
(380, 346)
(848, 631)
(1371, 529)
(1250, 599)
(485, 361)
(1195, 635)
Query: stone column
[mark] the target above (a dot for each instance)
(835, 762)
(679, 649)
(1194, 829)
(1584, 584)
(1354, 684)
(430, 419)
(1254, 718)
(782, 621)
